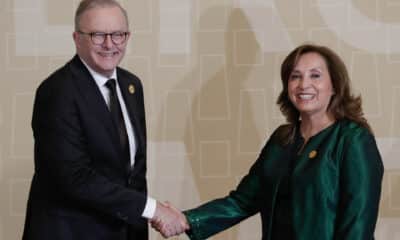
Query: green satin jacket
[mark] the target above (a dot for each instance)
(335, 189)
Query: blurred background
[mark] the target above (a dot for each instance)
(210, 70)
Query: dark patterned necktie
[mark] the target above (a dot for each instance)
(116, 113)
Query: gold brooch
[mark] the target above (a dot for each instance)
(312, 154)
(131, 89)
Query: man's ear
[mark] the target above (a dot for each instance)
(75, 36)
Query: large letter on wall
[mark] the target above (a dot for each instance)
(358, 30)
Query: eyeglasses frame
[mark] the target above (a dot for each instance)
(104, 35)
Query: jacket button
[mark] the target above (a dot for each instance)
(130, 181)
(119, 215)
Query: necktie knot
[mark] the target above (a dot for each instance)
(111, 85)
(114, 102)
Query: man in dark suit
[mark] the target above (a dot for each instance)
(90, 141)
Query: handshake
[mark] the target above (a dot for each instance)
(168, 220)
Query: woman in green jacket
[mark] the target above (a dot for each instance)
(319, 176)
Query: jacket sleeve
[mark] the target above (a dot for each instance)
(361, 173)
(63, 162)
(220, 214)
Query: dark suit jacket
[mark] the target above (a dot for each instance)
(335, 188)
(82, 187)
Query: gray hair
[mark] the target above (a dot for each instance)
(86, 5)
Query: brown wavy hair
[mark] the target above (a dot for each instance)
(343, 104)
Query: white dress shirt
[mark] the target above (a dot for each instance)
(101, 81)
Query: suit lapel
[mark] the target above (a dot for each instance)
(132, 107)
(92, 95)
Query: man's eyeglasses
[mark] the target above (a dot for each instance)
(98, 38)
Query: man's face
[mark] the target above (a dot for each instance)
(104, 57)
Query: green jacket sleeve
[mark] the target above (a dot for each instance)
(220, 214)
(361, 172)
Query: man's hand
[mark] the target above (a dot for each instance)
(168, 220)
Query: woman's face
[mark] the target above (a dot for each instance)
(310, 86)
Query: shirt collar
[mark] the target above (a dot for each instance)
(98, 78)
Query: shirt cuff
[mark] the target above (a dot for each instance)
(150, 208)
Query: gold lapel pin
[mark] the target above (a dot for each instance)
(131, 89)
(312, 154)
